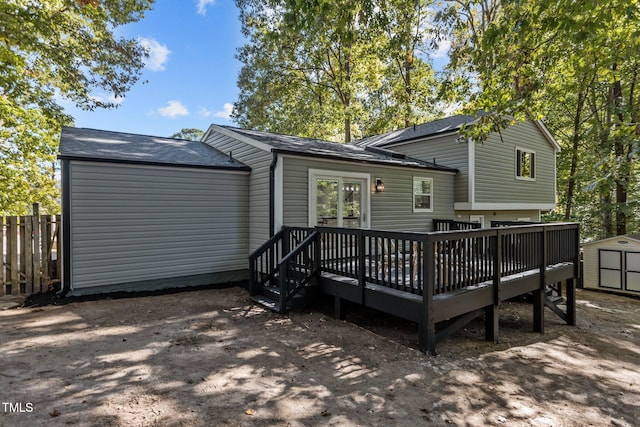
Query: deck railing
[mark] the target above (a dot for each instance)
(298, 268)
(453, 225)
(454, 259)
(264, 262)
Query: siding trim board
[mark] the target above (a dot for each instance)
(503, 206)
(229, 168)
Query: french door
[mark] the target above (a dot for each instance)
(339, 201)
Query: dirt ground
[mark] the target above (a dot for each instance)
(211, 357)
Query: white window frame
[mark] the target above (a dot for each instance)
(533, 165)
(339, 176)
(414, 194)
(477, 219)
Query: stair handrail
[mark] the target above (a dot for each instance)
(285, 268)
(256, 282)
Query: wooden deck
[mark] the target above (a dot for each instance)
(439, 280)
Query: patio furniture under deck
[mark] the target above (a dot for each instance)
(439, 280)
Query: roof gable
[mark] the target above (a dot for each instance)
(451, 124)
(630, 237)
(101, 145)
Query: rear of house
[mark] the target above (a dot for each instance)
(307, 182)
(510, 176)
(143, 212)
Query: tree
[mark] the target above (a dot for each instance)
(332, 70)
(51, 50)
(522, 58)
(191, 134)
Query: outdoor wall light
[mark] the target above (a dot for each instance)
(379, 185)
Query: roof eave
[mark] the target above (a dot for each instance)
(365, 161)
(243, 168)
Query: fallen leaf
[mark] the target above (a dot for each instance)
(250, 412)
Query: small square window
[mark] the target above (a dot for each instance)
(525, 164)
(422, 194)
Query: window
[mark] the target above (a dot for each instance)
(525, 164)
(422, 194)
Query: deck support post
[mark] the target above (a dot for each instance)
(491, 323)
(427, 326)
(491, 312)
(571, 301)
(340, 309)
(540, 294)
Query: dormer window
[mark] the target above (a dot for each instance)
(525, 164)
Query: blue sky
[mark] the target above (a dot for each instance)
(189, 80)
(190, 75)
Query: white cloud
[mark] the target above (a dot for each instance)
(202, 6)
(443, 49)
(203, 112)
(227, 109)
(158, 54)
(107, 98)
(173, 109)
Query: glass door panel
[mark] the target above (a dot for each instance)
(352, 204)
(327, 202)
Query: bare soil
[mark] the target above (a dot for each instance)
(211, 357)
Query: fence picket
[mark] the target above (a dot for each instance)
(28, 245)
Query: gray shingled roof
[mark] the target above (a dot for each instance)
(101, 145)
(319, 148)
(448, 124)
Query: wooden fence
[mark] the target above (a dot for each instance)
(31, 249)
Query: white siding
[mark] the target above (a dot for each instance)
(259, 161)
(133, 223)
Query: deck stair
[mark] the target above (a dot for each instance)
(283, 275)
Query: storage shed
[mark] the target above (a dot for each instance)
(613, 264)
(143, 212)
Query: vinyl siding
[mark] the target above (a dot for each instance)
(259, 161)
(390, 210)
(137, 223)
(446, 151)
(495, 167)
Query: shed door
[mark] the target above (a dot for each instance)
(610, 269)
(632, 263)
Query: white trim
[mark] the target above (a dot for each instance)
(237, 136)
(413, 195)
(278, 196)
(117, 164)
(471, 157)
(533, 160)
(364, 164)
(503, 206)
(478, 219)
(332, 174)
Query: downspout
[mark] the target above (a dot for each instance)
(65, 177)
(272, 187)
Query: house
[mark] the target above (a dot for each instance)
(142, 212)
(510, 176)
(613, 264)
(307, 182)
(294, 214)
(142, 208)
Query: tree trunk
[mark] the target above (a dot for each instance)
(574, 157)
